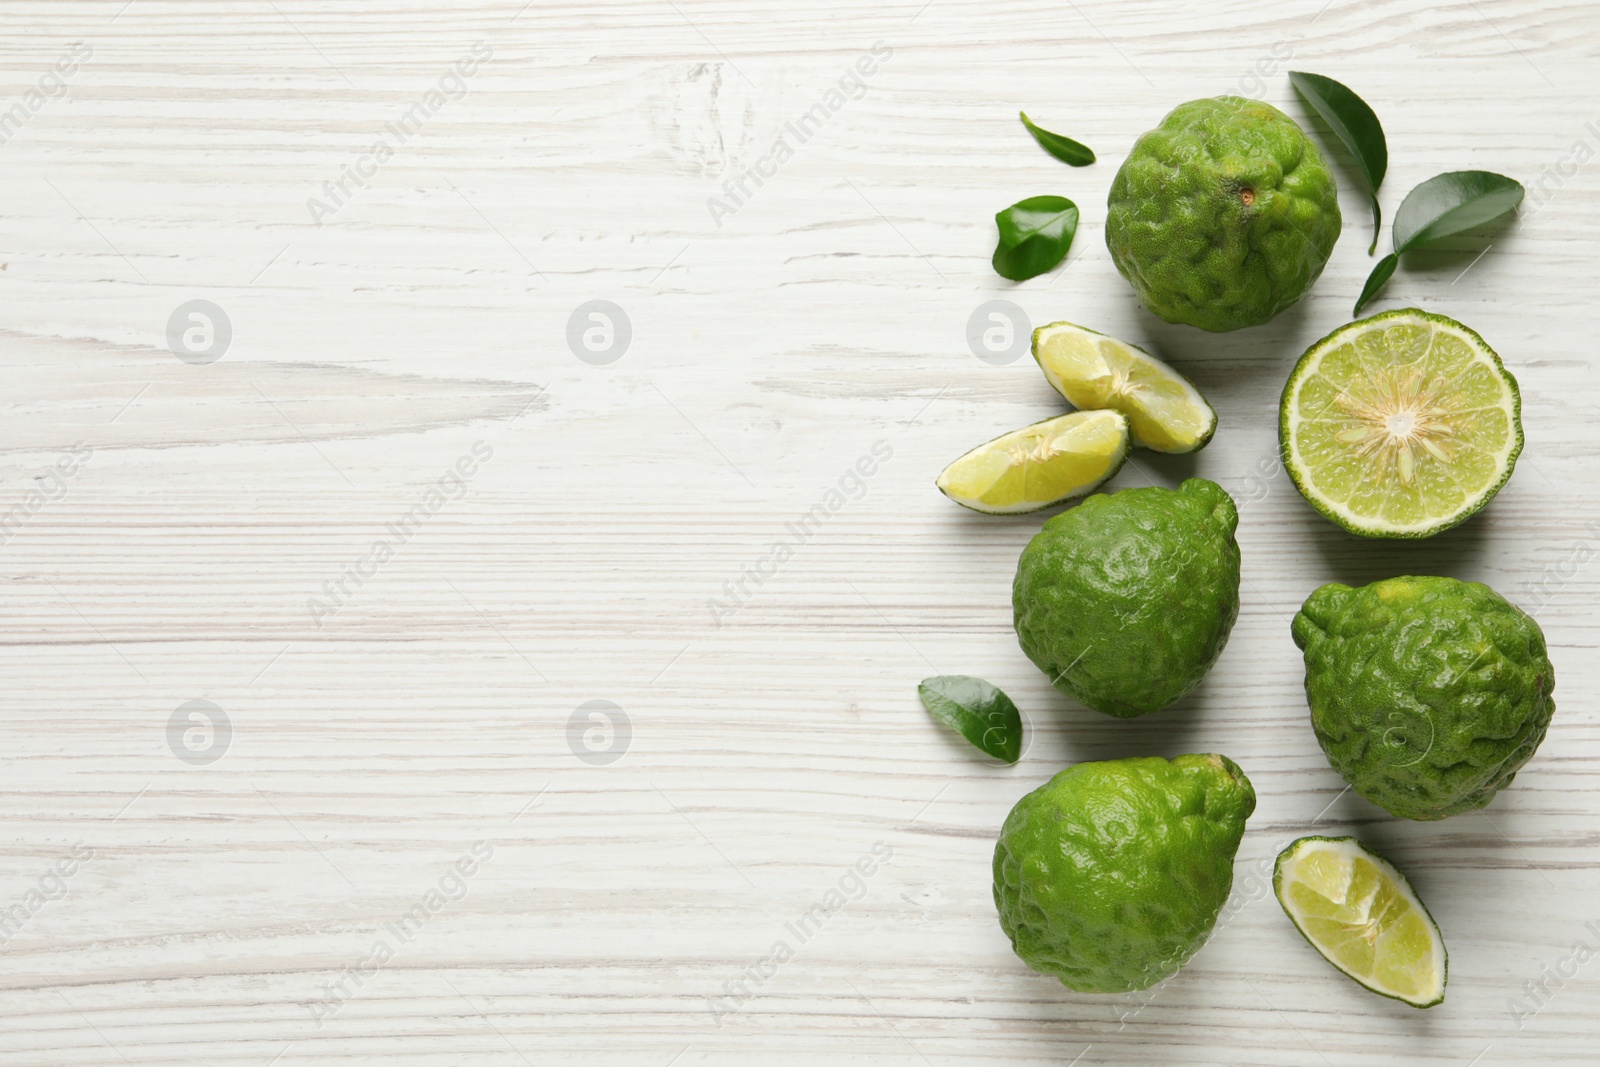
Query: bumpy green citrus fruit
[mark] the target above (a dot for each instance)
(1426, 694)
(1126, 600)
(1223, 215)
(1111, 875)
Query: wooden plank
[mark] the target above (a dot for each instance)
(402, 536)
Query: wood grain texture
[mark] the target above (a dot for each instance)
(426, 706)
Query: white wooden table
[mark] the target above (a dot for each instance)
(398, 535)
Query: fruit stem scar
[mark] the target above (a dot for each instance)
(1248, 195)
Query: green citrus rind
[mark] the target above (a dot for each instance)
(1307, 367)
(1112, 875)
(1400, 882)
(1126, 601)
(1427, 694)
(1223, 215)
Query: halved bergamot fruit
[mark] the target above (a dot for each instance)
(1165, 411)
(1400, 425)
(1039, 465)
(1364, 917)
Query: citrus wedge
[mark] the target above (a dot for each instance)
(1166, 413)
(1039, 465)
(1400, 425)
(1362, 915)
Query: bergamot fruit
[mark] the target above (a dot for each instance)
(1040, 465)
(1223, 215)
(1426, 694)
(1126, 600)
(1166, 413)
(1111, 875)
(1400, 425)
(1363, 916)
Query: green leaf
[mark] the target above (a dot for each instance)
(977, 711)
(1448, 204)
(1442, 206)
(1070, 152)
(1376, 280)
(1354, 123)
(1035, 235)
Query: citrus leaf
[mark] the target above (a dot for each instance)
(1452, 203)
(1354, 123)
(977, 711)
(1070, 152)
(1054, 217)
(1035, 235)
(1376, 280)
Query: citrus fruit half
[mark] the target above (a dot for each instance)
(1400, 425)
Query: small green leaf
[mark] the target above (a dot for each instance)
(977, 711)
(1448, 204)
(1035, 235)
(1354, 123)
(1376, 280)
(1070, 152)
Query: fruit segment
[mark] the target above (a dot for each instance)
(1364, 917)
(1039, 465)
(1166, 413)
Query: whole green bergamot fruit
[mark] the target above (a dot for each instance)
(1126, 600)
(1223, 215)
(1111, 875)
(1426, 694)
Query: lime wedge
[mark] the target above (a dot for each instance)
(1039, 465)
(1362, 915)
(1165, 411)
(1401, 425)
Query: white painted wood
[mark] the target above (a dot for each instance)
(768, 755)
